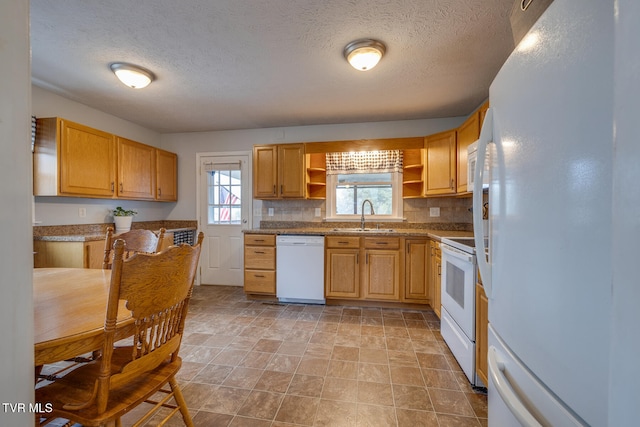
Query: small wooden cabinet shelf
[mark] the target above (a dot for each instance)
(260, 264)
(316, 177)
(413, 173)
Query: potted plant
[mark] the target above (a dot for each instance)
(123, 218)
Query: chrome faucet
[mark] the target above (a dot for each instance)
(362, 210)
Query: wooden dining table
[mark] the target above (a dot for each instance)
(70, 306)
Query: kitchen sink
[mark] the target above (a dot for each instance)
(365, 230)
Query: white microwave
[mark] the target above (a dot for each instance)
(472, 159)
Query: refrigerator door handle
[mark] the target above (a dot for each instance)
(486, 136)
(510, 398)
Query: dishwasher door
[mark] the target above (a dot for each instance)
(300, 269)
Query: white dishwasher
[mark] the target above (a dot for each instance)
(300, 269)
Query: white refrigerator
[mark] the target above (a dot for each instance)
(551, 144)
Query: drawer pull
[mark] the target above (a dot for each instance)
(382, 243)
(258, 252)
(259, 240)
(259, 276)
(343, 243)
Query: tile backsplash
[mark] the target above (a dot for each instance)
(452, 210)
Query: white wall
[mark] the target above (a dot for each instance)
(65, 210)
(16, 258)
(188, 144)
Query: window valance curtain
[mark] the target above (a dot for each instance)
(382, 161)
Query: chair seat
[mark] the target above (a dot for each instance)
(77, 386)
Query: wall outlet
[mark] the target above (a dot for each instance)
(270, 212)
(434, 211)
(318, 212)
(82, 212)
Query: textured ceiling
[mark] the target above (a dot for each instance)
(239, 64)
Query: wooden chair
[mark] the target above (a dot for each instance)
(145, 241)
(157, 289)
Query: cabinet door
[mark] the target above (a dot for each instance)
(342, 278)
(441, 163)
(437, 279)
(265, 171)
(136, 170)
(416, 274)
(468, 133)
(482, 333)
(291, 170)
(87, 161)
(382, 275)
(94, 254)
(166, 176)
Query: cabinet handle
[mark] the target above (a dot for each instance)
(121, 187)
(439, 270)
(258, 252)
(113, 186)
(259, 240)
(343, 243)
(366, 258)
(452, 183)
(358, 258)
(382, 243)
(259, 276)
(274, 189)
(281, 189)
(159, 192)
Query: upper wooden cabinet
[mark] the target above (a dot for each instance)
(468, 133)
(136, 170)
(441, 158)
(71, 159)
(278, 171)
(166, 176)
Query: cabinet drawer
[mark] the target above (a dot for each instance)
(259, 257)
(260, 282)
(342, 242)
(382, 243)
(260, 239)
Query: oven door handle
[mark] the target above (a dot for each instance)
(486, 136)
(452, 252)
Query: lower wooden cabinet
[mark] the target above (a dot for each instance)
(435, 283)
(362, 268)
(57, 254)
(342, 267)
(417, 270)
(260, 264)
(482, 333)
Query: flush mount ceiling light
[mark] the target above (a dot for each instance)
(364, 54)
(132, 75)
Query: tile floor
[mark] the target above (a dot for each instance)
(253, 363)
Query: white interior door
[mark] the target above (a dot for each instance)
(224, 210)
